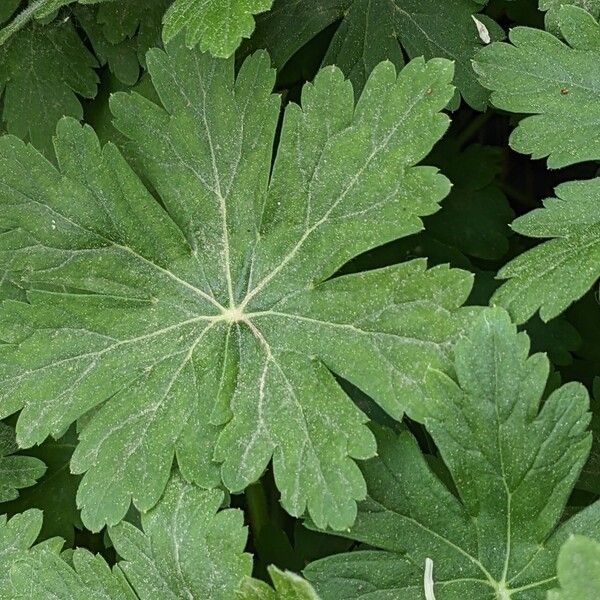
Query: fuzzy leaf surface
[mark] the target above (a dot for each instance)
(208, 326)
(555, 81)
(188, 548)
(216, 25)
(513, 465)
(43, 68)
(554, 274)
(286, 586)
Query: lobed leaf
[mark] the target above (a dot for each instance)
(513, 464)
(207, 326)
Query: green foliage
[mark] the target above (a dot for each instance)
(16, 472)
(374, 30)
(221, 290)
(218, 25)
(554, 80)
(578, 570)
(513, 464)
(282, 314)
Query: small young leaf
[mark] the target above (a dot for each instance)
(16, 472)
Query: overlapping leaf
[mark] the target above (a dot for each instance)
(578, 570)
(55, 492)
(216, 25)
(43, 68)
(207, 325)
(287, 586)
(552, 275)
(374, 30)
(513, 465)
(187, 549)
(555, 81)
(16, 472)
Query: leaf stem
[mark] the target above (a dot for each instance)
(258, 510)
(473, 127)
(22, 19)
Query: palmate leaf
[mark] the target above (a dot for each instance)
(555, 81)
(578, 570)
(208, 325)
(216, 25)
(187, 549)
(373, 30)
(16, 472)
(513, 465)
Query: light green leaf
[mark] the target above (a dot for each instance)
(552, 275)
(513, 464)
(16, 472)
(42, 69)
(578, 570)
(208, 326)
(217, 25)
(17, 535)
(374, 30)
(557, 82)
(287, 586)
(188, 549)
(553, 10)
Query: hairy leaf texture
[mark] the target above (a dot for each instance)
(497, 533)
(216, 25)
(555, 81)
(207, 325)
(578, 570)
(187, 548)
(552, 275)
(370, 31)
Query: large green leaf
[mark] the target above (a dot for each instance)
(208, 325)
(513, 465)
(578, 570)
(370, 31)
(217, 25)
(552, 275)
(557, 82)
(187, 549)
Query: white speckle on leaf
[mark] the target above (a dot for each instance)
(482, 30)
